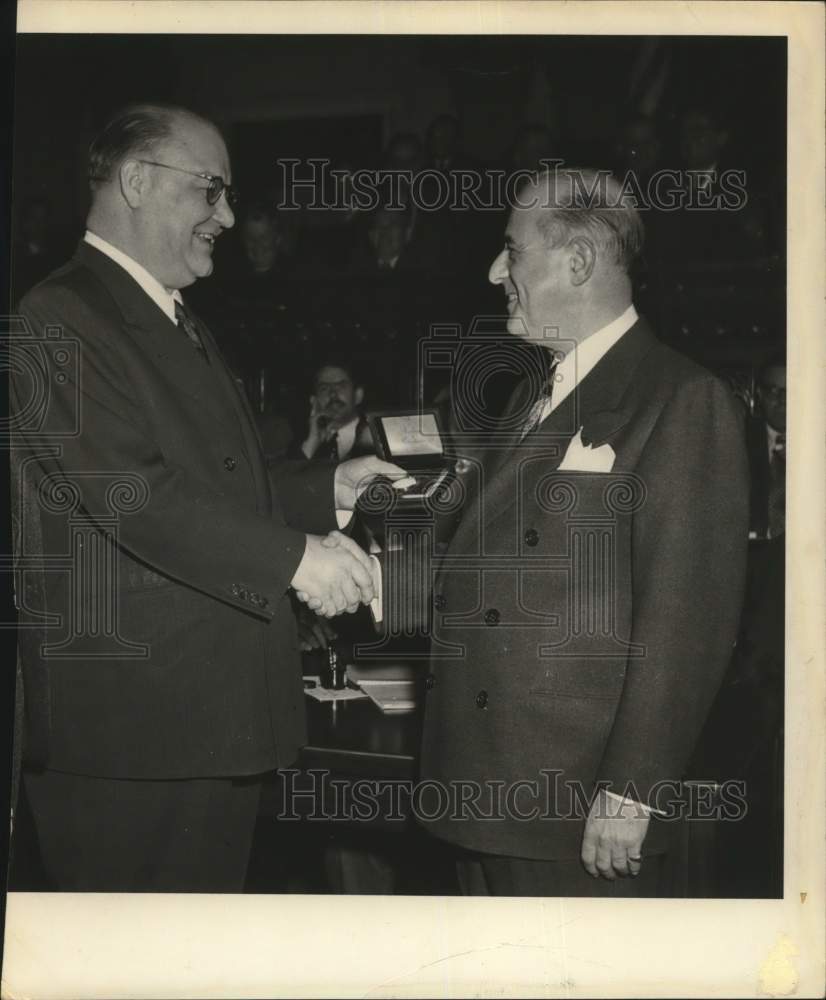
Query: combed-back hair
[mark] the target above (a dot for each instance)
(343, 360)
(591, 203)
(137, 128)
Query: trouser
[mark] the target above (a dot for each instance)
(494, 875)
(119, 835)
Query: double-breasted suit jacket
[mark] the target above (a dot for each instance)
(583, 618)
(169, 649)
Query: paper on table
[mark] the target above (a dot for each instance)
(330, 694)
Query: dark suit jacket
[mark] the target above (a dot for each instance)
(171, 652)
(583, 620)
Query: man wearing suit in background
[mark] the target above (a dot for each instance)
(337, 429)
(562, 662)
(767, 452)
(166, 683)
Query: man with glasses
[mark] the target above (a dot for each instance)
(336, 428)
(164, 682)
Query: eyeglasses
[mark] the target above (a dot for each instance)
(217, 186)
(325, 387)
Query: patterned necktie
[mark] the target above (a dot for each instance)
(327, 450)
(190, 328)
(777, 487)
(538, 408)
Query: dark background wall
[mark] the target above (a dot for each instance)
(313, 88)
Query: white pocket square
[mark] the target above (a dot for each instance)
(585, 458)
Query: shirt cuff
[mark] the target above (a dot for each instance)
(343, 517)
(646, 809)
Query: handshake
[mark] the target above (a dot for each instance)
(335, 575)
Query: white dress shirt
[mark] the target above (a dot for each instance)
(346, 438)
(163, 298)
(578, 362)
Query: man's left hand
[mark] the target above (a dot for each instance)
(356, 474)
(614, 833)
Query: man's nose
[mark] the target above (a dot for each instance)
(499, 268)
(223, 213)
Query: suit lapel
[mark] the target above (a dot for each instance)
(208, 384)
(601, 405)
(163, 338)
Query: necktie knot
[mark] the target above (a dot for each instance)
(190, 328)
(328, 449)
(543, 400)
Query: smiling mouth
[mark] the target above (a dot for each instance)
(208, 238)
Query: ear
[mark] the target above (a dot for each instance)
(583, 258)
(134, 182)
(358, 396)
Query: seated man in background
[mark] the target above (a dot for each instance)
(337, 429)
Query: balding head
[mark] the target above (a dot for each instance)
(588, 204)
(136, 130)
(570, 241)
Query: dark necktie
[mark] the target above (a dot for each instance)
(544, 397)
(327, 450)
(190, 328)
(777, 488)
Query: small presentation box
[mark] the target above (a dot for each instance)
(413, 440)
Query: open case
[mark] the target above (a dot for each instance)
(413, 440)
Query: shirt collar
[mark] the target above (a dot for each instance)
(578, 362)
(164, 299)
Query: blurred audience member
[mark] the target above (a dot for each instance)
(442, 143)
(723, 221)
(37, 250)
(702, 140)
(767, 452)
(637, 148)
(404, 151)
(337, 429)
(276, 435)
(743, 737)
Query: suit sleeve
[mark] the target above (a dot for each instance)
(688, 571)
(180, 524)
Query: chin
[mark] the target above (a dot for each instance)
(517, 327)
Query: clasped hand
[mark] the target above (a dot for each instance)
(334, 575)
(613, 838)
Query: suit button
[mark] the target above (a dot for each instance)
(439, 602)
(429, 682)
(531, 537)
(492, 616)
(229, 463)
(482, 699)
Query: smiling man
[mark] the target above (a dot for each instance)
(164, 682)
(587, 604)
